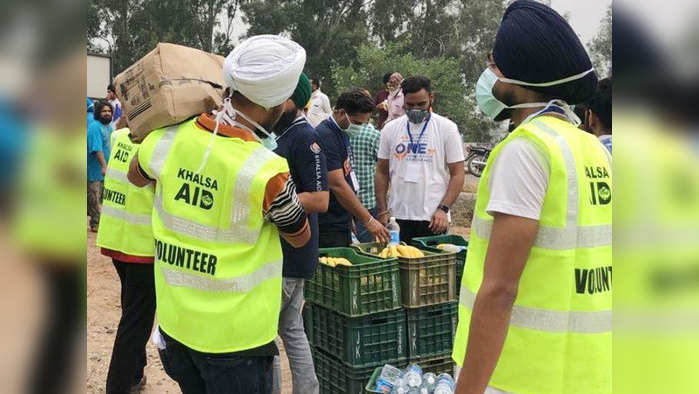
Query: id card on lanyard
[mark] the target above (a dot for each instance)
(350, 155)
(412, 174)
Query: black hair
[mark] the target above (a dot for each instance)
(355, 101)
(601, 102)
(415, 84)
(315, 81)
(387, 76)
(110, 88)
(98, 108)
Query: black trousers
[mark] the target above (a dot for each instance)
(334, 238)
(410, 229)
(208, 373)
(137, 314)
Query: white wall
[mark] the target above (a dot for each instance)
(98, 76)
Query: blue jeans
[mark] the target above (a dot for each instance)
(363, 235)
(298, 351)
(208, 373)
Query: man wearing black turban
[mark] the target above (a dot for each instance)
(535, 298)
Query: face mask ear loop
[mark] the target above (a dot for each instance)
(220, 116)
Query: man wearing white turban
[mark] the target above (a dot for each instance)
(222, 200)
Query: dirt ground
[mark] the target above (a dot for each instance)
(103, 311)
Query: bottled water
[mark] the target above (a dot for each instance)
(393, 231)
(401, 387)
(445, 384)
(355, 240)
(429, 381)
(389, 378)
(413, 375)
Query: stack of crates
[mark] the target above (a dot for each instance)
(354, 320)
(429, 298)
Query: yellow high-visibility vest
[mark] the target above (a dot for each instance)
(125, 221)
(559, 336)
(218, 263)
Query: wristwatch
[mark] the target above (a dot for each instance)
(444, 208)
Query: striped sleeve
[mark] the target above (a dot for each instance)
(282, 206)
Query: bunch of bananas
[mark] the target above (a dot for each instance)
(406, 251)
(335, 261)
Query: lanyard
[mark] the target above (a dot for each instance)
(421, 133)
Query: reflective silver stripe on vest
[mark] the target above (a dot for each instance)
(550, 320)
(161, 150)
(240, 212)
(241, 284)
(556, 238)
(117, 175)
(132, 218)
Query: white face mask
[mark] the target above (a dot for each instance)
(228, 115)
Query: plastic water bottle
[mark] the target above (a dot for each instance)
(413, 375)
(401, 387)
(445, 384)
(393, 231)
(389, 378)
(429, 381)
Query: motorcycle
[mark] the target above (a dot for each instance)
(476, 159)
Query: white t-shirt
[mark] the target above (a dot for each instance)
(418, 171)
(318, 108)
(519, 179)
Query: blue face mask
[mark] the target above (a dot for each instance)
(353, 129)
(487, 102)
(492, 107)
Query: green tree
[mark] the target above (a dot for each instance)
(128, 29)
(447, 81)
(329, 30)
(600, 47)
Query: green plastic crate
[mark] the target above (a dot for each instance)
(360, 341)
(371, 285)
(336, 377)
(425, 280)
(436, 365)
(431, 329)
(430, 244)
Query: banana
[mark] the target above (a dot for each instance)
(335, 261)
(402, 251)
(393, 251)
(342, 261)
(416, 252)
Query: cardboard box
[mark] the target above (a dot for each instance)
(169, 85)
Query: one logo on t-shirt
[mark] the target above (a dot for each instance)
(315, 148)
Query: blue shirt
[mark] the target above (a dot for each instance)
(338, 151)
(104, 132)
(606, 140)
(307, 166)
